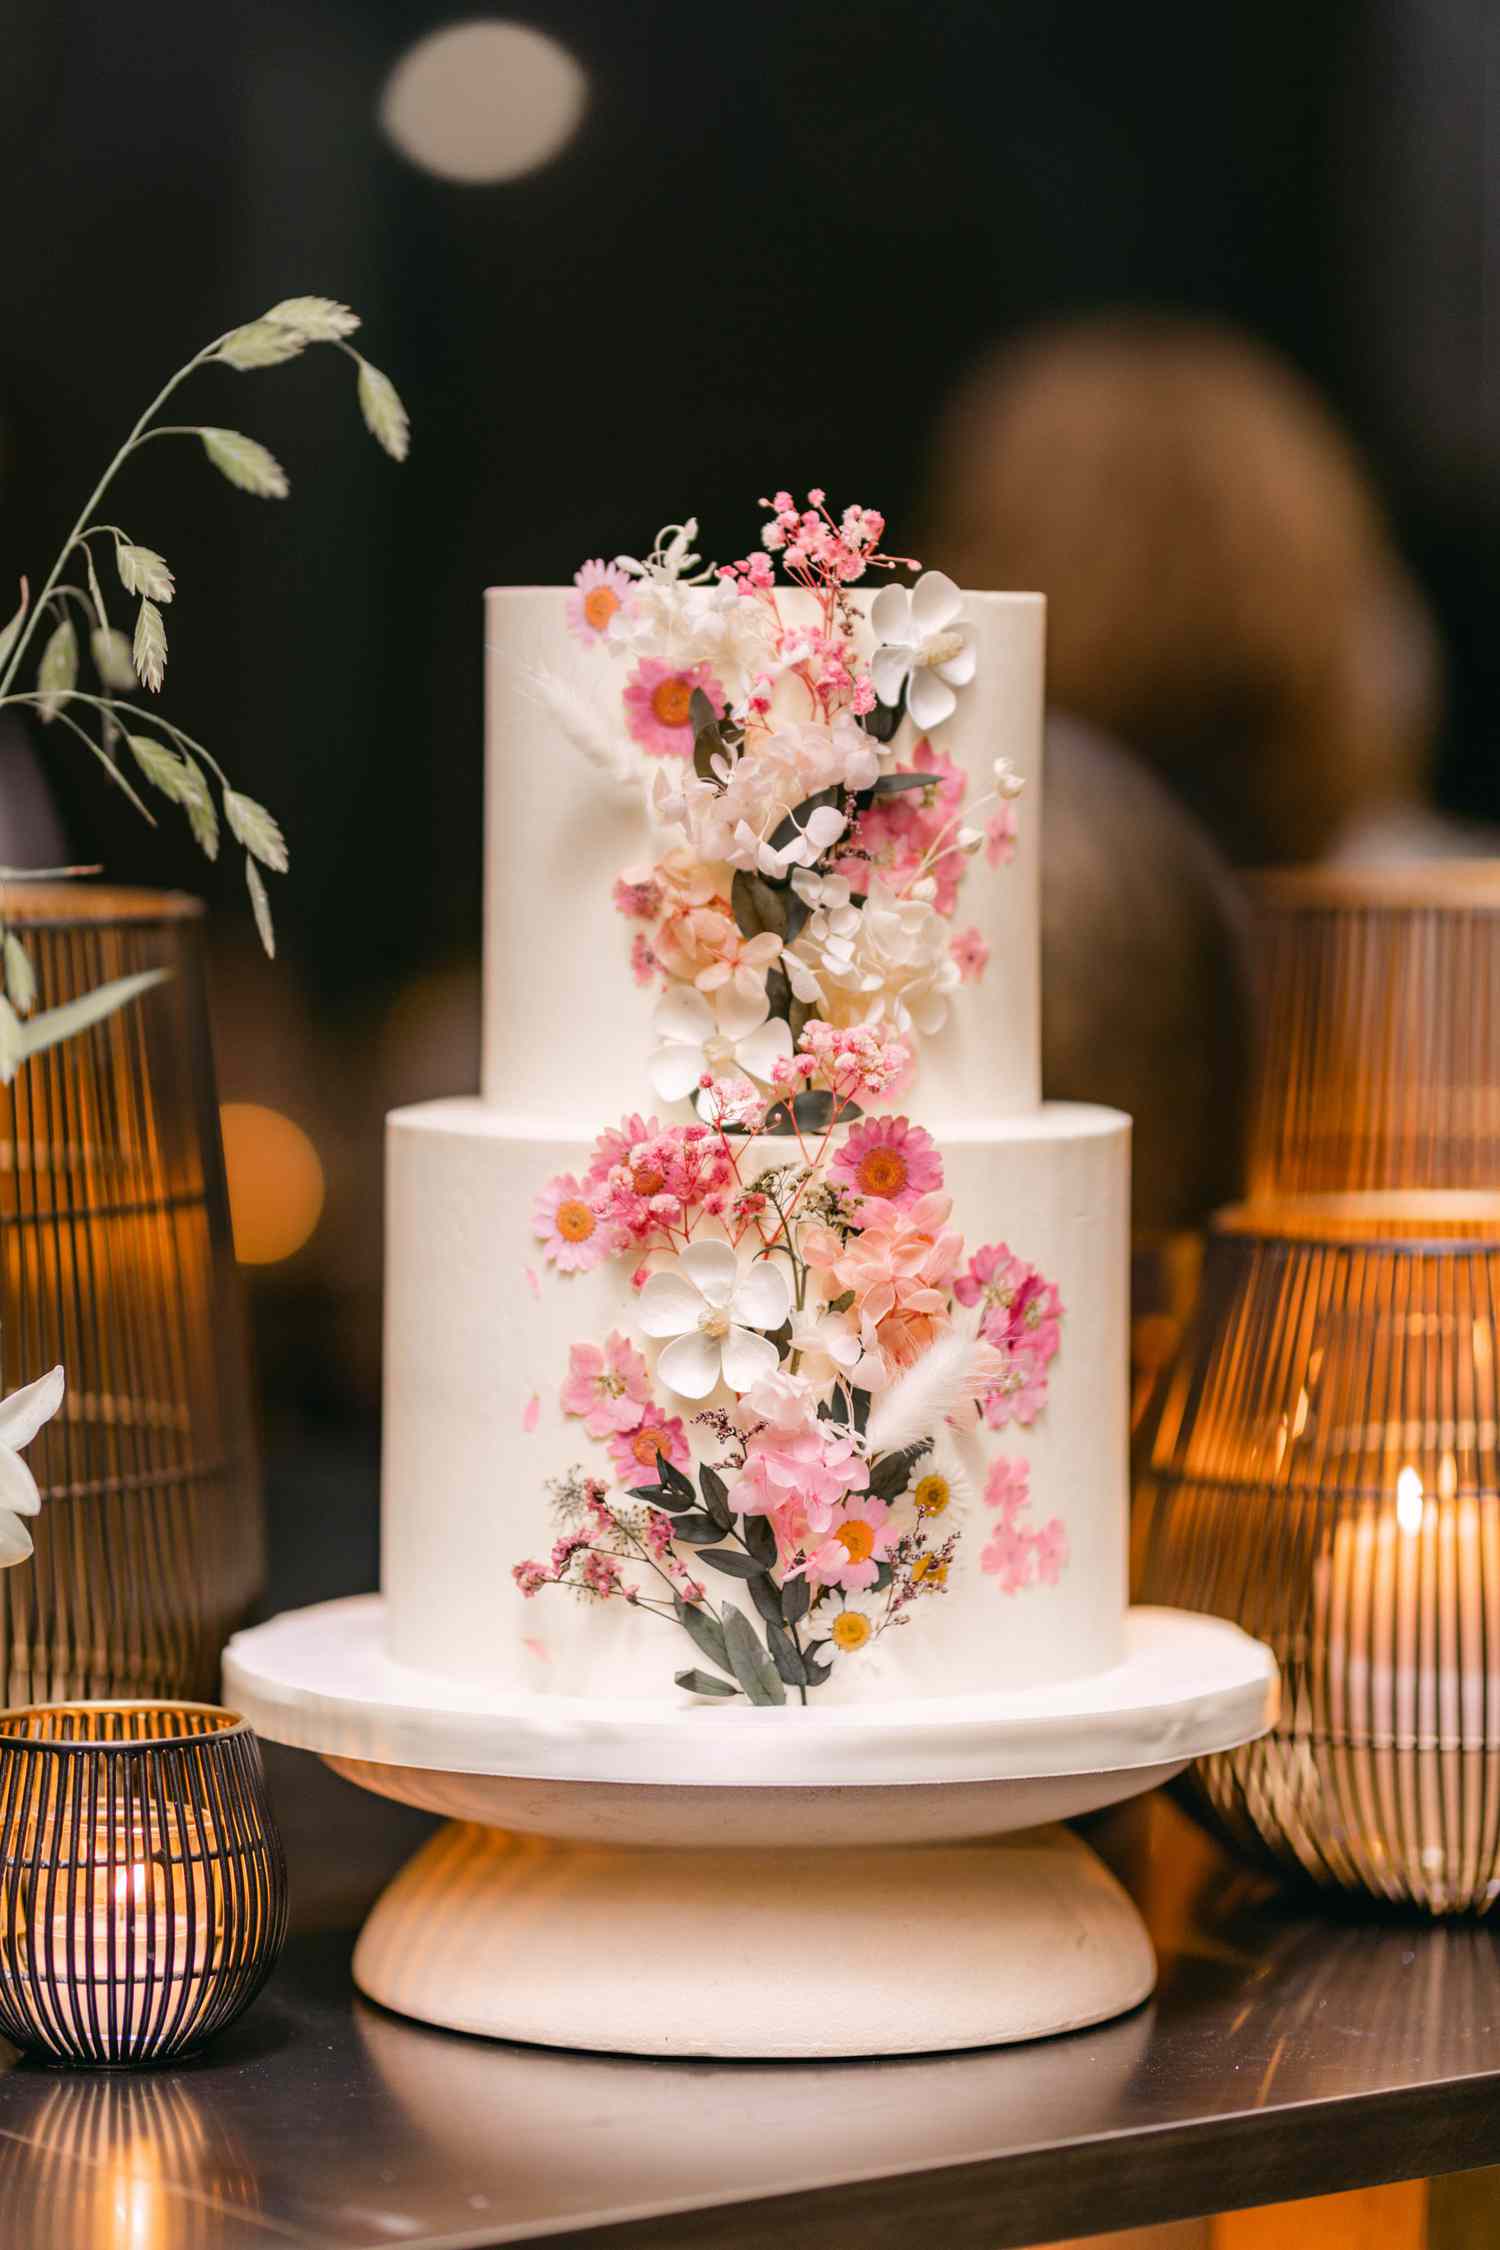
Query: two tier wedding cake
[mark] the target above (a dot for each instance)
(759, 1334)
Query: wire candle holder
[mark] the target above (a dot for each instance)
(142, 1883)
(1322, 1461)
(116, 1259)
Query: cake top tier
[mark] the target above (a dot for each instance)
(729, 820)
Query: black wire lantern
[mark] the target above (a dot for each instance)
(143, 1896)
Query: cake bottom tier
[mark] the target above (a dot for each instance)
(476, 1351)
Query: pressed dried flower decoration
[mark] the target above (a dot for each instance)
(171, 762)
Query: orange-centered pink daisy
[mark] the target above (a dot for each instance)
(888, 1160)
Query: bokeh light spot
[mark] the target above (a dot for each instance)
(482, 101)
(275, 1183)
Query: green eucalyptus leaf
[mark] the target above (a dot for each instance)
(818, 1675)
(731, 1562)
(761, 1540)
(674, 1480)
(786, 1655)
(703, 1629)
(891, 1474)
(797, 819)
(766, 1597)
(883, 721)
(696, 1530)
(715, 1496)
(748, 1660)
(892, 784)
(703, 1683)
(757, 906)
(796, 1599)
(57, 674)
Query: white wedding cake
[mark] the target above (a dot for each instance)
(759, 1332)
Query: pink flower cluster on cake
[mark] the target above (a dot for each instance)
(783, 1440)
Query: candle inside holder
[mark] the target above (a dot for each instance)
(142, 1889)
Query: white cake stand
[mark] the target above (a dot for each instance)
(653, 1880)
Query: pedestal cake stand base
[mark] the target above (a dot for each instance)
(870, 1882)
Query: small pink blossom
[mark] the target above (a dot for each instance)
(1015, 1554)
(658, 700)
(857, 1062)
(532, 1414)
(531, 1577)
(1000, 836)
(609, 1387)
(798, 1469)
(971, 953)
(601, 591)
(567, 1225)
(643, 962)
(638, 895)
(600, 1574)
(888, 1160)
(634, 1451)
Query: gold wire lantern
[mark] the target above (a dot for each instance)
(116, 1259)
(1322, 1461)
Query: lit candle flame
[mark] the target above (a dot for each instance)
(1409, 1500)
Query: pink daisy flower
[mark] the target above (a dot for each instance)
(609, 1388)
(616, 1142)
(634, 1451)
(658, 700)
(600, 591)
(851, 1556)
(971, 953)
(888, 1160)
(567, 1226)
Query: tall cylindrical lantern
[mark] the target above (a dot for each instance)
(116, 1259)
(1322, 1461)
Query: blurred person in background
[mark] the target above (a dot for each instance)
(1225, 599)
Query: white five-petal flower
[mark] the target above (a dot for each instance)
(21, 1416)
(925, 647)
(711, 1306)
(693, 1039)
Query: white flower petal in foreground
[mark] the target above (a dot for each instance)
(692, 1038)
(710, 1306)
(21, 1416)
(925, 647)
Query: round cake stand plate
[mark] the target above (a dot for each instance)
(680, 1881)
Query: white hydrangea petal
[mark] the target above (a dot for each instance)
(674, 1071)
(739, 1012)
(15, 1541)
(762, 1298)
(747, 1357)
(888, 670)
(770, 1044)
(683, 1015)
(930, 700)
(24, 1412)
(713, 1269)
(18, 1489)
(935, 602)
(890, 615)
(690, 1365)
(668, 1305)
(824, 828)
